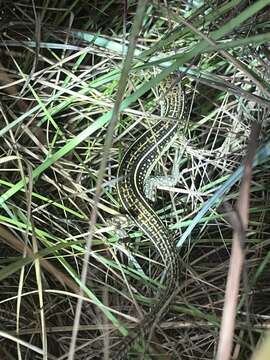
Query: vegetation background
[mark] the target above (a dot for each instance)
(60, 65)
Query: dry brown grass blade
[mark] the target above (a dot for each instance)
(12, 89)
(136, 27)
(239, 221)
(15, 243)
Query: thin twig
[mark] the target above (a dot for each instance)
(239, 223)
(107, 146)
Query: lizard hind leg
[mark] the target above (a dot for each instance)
(156, 182)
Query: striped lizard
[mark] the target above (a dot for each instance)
(134, 169)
